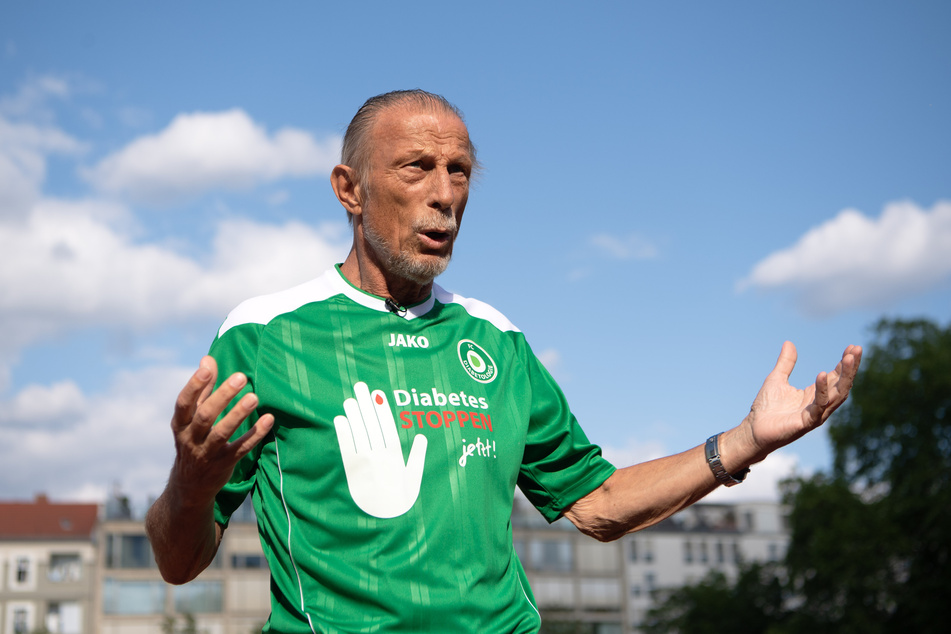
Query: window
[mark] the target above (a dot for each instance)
(244, 560)
(704, 555)
(602, 593)
(721, 554)
(554, 593)
(64, 618)
(198, 597)
(22, 570)
(643, 550)
(133, 597)
(21, 624)
(64, 567)
(650, 581)
(688, 553)
(128, 551)
(549, 554)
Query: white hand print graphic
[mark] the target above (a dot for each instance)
(379, 482)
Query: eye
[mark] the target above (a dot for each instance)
(458, 168)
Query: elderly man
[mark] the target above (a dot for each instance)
(381, 424)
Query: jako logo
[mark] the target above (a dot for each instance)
(476, 361)
(409, 341)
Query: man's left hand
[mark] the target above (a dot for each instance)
(782, 413)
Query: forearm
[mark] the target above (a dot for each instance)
(184, 534)
(642, 495)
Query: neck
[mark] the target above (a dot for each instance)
(363, 270)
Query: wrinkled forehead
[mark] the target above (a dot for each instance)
(412, 119)
(403, 128)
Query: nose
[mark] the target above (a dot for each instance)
(443, 195)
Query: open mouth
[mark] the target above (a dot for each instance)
(434, 238)
(438, 236)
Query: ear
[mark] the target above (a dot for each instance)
(343, 179)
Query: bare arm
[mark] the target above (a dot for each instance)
(181, 524)
(641, 495)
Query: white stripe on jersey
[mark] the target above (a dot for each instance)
(264, 308)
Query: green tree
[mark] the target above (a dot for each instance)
(751, 605)
(871, 546)
(835, 560)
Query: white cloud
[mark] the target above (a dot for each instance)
(762, 483)
(27, 137)
(854, 261)
(629, 247)
(30, 100)
(23, 151)
(75, 267)
(118, 436)
(210, 150)
(601, 246)
(44, 406)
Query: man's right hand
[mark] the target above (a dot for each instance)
(204, 454)
(181, 523)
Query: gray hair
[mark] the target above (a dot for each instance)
(356, 149)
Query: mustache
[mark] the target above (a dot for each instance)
(446, 224)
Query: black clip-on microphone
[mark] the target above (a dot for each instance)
(393, 307)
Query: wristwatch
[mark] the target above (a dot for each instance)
(712, 450)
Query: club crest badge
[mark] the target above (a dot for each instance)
(476, 361)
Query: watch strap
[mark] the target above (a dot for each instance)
(712, 451)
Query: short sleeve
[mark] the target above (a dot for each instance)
(236, 351)
(560, 465)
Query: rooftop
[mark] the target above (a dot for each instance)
(42, 519)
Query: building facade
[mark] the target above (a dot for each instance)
(66, 570)
(47, 567)
(597, 588)
(232, 596)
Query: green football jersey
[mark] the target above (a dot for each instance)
(384, 491)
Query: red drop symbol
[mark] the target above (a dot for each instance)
(379, 398)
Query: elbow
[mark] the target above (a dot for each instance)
(597, 516)
(588, 519)
(179, 571)
(603, 531)
(176, 577)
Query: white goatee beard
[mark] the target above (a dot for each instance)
(421, 269)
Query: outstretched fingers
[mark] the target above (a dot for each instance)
(240, 447)
(786, 361)
(194, 393)
(199, 405)
(832, 388)
(203, 423)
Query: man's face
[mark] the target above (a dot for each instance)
(418, 187)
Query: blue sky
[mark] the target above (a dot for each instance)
(670, 191)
